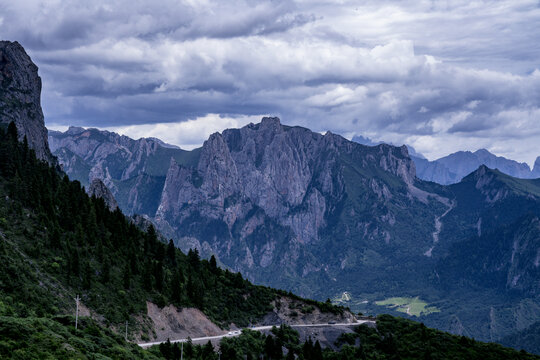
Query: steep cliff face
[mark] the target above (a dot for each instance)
(535, 174)
(20, 98)
(292, 174)
(505, 259)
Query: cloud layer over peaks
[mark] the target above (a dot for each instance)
(440, 76)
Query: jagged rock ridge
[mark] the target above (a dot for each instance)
(271, 167)
(20, 98)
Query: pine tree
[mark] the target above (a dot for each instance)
(171, 252)
(176, 286)
(213, 264)
(126, 277)
(317, 351)
(158, 275)
(147, 276)
(193, 258)
(106, 271)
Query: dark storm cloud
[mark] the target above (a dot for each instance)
(440, 76)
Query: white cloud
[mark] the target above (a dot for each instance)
(442, 74)
(187, 134)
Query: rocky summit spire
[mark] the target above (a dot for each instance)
(20, 92)
(100, 190)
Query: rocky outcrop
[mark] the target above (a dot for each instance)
(20, 98)
(173, 323)
(287, 310)
(100, 190)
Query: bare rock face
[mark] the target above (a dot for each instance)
(264, 196)
(291, 173)
(100, 190)
(20, 92)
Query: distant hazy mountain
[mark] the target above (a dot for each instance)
(454, 167)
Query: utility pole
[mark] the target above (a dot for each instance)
(126, 329)
(77, 311)
(182, 352)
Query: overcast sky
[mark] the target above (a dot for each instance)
(441, 76)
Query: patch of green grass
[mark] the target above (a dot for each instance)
(407, 305)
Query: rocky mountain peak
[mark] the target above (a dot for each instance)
(75, 130)
(20, 98)
(100, 190)
(490, 183)
(271, 122)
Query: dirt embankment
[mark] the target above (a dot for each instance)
(292, 311)
(171, 323)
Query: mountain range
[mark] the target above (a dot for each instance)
(287, 207)
(454, 167)
(331, 217)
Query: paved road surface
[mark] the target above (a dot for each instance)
(257, 328)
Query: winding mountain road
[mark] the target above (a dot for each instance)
(256, 328)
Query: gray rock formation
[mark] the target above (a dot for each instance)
(270, 198)
(292, 174)
(100, 190)
(20, 92)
